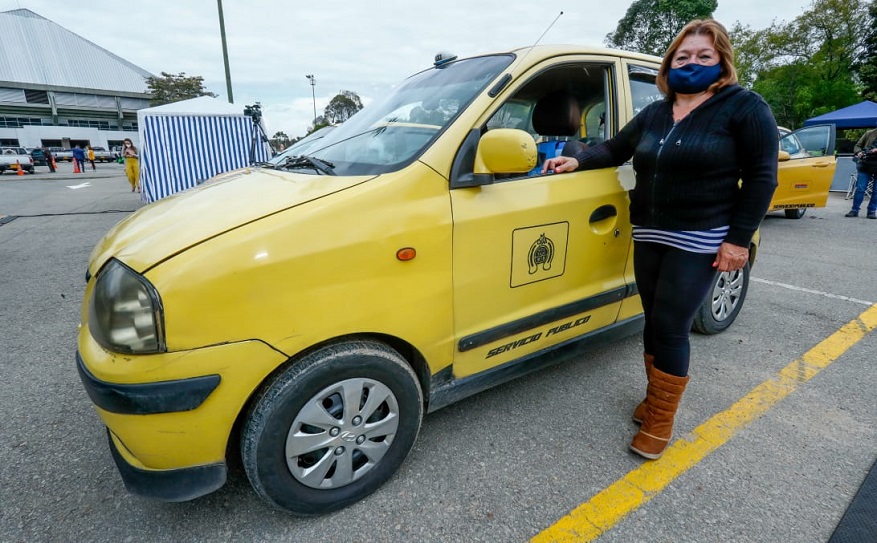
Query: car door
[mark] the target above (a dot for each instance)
(539, 259)
(806, 169)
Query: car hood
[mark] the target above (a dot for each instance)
(172, 225)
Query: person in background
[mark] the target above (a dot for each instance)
(132, 164)
(50, 159)
(90, 154)
(692, 216)
(865, 153)
(79, 157)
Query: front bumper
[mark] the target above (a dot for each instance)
(171, 485)
(170, 415)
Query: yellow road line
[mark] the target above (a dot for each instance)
(589, 520)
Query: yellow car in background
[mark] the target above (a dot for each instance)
(306, 314)
(807, 164)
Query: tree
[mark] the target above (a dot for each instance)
(280, 140)
(804, 68)
(342, 107)
(649, 26)
(752, 53)
(170, 88)
(866, 65)
(319, 123)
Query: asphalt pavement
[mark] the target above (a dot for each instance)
(776, 433)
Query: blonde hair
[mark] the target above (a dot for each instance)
(721, 43)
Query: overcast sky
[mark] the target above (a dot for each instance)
(365, 46)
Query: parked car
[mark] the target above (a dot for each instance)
(102, 155)
(312, 311)
(61, 154)
(808, 165)
(39, 158)
(13, 158)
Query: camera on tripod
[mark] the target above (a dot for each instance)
(259, 137)
(254, 111)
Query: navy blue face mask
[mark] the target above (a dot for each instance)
(693, 78)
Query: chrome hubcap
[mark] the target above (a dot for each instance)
(341, 433)
(726, 294)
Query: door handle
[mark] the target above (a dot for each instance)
(602, 213)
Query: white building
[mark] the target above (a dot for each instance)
(60, 90)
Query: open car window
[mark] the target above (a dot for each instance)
(810, 141)
(582, 86)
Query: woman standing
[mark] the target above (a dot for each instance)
(691, 215)
(90, 155)
(132, 164)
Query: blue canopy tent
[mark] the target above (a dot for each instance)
(185, 143)
(861, 115)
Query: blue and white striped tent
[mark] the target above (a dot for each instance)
(185, 143)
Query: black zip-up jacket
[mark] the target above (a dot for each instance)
(688, 176)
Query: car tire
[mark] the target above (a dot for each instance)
(723, 303)
(795, 213)
(309, 451)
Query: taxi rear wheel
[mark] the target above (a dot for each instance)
(331, 428)
(795, 213)
(723, 303)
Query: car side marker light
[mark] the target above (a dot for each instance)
(406, 253)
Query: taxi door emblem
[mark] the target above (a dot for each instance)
(541, 254)
(538, 253)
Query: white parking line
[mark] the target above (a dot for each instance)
(810, 291)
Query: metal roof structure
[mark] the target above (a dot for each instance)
(39, 54)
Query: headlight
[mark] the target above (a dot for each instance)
(125, 313)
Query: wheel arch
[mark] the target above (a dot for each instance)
(410, 353)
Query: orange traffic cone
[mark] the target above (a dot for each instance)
(76, 166)
(20, 170)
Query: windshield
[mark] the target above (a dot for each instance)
(301, 146)
(389, 134)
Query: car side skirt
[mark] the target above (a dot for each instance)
(512, 328)
(171, 485)
(447, 390)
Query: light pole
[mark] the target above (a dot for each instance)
(225, 52)
(313, 95)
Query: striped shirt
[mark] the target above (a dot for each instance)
(693, 241)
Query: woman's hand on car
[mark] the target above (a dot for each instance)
(560, 164)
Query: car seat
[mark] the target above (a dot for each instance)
(556, 117)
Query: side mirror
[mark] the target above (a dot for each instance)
(784, 156)
(505, 150)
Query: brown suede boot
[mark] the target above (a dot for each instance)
(640, 412)
(662, 401)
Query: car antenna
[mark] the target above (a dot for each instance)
(540, 37)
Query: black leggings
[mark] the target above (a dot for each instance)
(672, 284)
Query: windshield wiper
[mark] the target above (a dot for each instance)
(305, 161)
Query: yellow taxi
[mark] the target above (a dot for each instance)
(307, 314)
(807, 168)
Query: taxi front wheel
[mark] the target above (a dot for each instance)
(331, 428)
